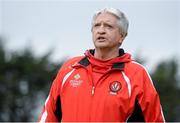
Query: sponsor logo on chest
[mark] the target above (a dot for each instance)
(76, 81)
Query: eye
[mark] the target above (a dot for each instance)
(108, 26)
(96, 25)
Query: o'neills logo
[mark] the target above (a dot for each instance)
(76, 81)
(114, 87)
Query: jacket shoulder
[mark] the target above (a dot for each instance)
(133, 65)
(72, 61)
(67, 65)
(132, 68)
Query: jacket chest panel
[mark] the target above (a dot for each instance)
(110, 96)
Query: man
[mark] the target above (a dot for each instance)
(105, 84)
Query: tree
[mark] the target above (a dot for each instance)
(166, 82)
(24, 79)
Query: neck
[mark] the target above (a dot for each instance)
(105, 54)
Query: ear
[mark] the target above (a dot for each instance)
(123, 36)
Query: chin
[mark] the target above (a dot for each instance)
(101, 46)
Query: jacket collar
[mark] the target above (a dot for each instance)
(121, 52)
(85, 62)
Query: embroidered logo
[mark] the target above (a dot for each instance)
(76, 81)
(77, 76)
(114, 87)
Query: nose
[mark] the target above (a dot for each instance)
(101, 30)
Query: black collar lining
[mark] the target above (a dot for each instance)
(85, 62)
(121, 52)
(118, 65)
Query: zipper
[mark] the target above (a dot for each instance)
(91, 103)
(93, 90)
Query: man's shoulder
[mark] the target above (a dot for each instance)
(72, 61)
(135, 66)
(67, 65)
(135, 69)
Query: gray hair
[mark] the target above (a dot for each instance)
(122, 20)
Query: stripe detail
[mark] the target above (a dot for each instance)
(66, 77)
(43, 118)
(45, 114)
(127, 118)
(151, 83)
(146, 73)
(128, 83)
(162, 115)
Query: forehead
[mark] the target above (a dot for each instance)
(106, 17)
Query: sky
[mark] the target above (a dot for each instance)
(64, 26)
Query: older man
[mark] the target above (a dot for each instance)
(105, 84)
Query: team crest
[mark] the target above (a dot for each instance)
(114, 87)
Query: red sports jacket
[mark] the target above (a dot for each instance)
(125, 92)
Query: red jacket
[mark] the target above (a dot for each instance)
(122, 92)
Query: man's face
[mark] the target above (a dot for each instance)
(105, 32)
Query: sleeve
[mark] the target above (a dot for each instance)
(149, 100)
(52, 108)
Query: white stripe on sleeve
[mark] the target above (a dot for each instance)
(128, 83)
(66, 77)
(45, 114)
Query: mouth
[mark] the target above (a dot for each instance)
(101, 38)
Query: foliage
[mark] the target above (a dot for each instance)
(166, 80)
(24, 79)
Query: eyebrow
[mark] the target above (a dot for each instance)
(106, 23)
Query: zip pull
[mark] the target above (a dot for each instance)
(93, 90)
